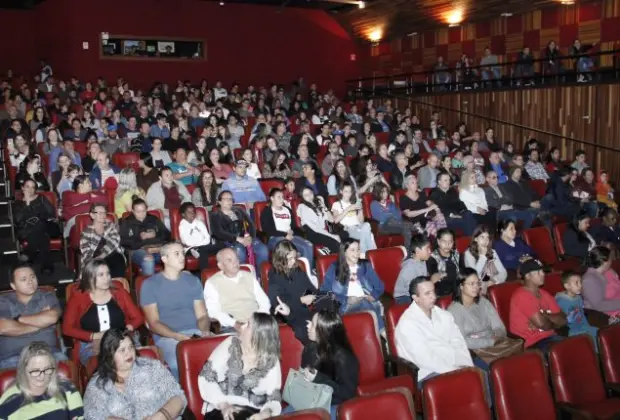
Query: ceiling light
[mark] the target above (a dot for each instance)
(567, 2)
(221, 3)
(361, 4)
(506, 14)
(375, 36)
(454, 17)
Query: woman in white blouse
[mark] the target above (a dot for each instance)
(348, 212)
(253, 171)
(195, 236)
(161, 157)
(314, 217)
(242, 378)
(481, 257)
(475, 201)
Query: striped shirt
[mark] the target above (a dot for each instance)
(43, 407)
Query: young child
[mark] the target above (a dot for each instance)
(457, 160)
(413, 267)
(195, 237)
(571, 303)
(289, 192)
(66, 184)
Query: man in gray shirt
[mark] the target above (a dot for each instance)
(413, 267)
(491, 70)
(427, 175)
(27, 314)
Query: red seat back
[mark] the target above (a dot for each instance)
(558, 233)
(80, 147)
(397, 402)
(521, 387)
(500, 295)
(322, 265)
(444, 301)
(259, 206)
(126, 160)
(462, 243)
(444, 398)
(175, 220)
(398, 194)
(290, 351)
(266, 184)
(609, 348)
(574, 371)
(313, 414)
(392, 316)
(66, 369)
(264, 275)
(367, 199)
(539, 186)
(553, 283)
(539, 240)
(364, 338)
(386, 262)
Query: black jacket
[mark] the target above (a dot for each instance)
(575, 244)
(602, 233)
(38, 178)
(494, 200)
(520, 193)
(32, 218)
(131, 228)
(397, 178)
(319, 184)
(448, 202)
(269, 225)
(224, 229)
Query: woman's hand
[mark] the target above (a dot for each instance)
(129, 327)
(308, 299)
(309, 374)
(282, 308)
(228, 411)
(263, 415)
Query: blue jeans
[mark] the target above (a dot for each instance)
(11, 362)
(261, 252)
(375, 307)
(147, 266)
(403, 300)
(332, 411)
(467, 223)
(168, 347)
(303, 246)
(544, 344)
(527, 216)
(584, 64)
(362, 233)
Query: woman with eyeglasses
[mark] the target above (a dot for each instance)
(39, 391)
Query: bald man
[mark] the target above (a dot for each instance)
(232, 295)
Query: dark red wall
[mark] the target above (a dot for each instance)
(251, 44)
(17, 41)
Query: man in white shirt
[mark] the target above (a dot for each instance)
(428, 336)
(233, 295)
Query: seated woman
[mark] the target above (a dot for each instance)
(511, 250)
(126, 192)
(368, 175)
(384, 211)
(159, 156)
(61, 175)
(482, 257)
(277, 167)
(146, 175)
(601, 286)
(220, 170)
(182, 170)
(126, 386)
(66, 182)
(348, 212)
(195, 237)
(313, 216)
(39, 391)
(96, 307)
(584, 187)
(253, 170)
(576, 239)
(311, 178)
(232, 226)
(279, 223)
(30, 169)
(604, 191)
(242, 378)
(79, 201)
(419, 210)
(445, 166)
(329, 359)
(205, 193)
(554, 160)
(290, 289)
(199, 155)
(607, 233)
(475, 316)
(355, 283)
(445, 260)
(339, 176)
(474, 199)
(101, 240)
(32, 215)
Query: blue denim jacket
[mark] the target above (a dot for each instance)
(370, 281)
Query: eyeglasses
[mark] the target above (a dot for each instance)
(38, 372)
(474, 284)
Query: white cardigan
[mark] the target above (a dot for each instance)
(474, 198)
(193, 234)
(471, 262)
(314, 221)
(434, 344)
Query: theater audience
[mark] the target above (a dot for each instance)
(220, 169)
(428, 336)
(607, 232)
(146, 175)
(159, 156)
(475, 200)
(572, 304)
(224, 384)
(481, 257)
(97, 306)
(232, 295)
(128, 386)
(27, 315)
(206, 191)
(30, 169)
(347, 211)
(277, 167)
(39, 391)
(428, 174)
(173, 305)
(311, 178)
(534, 313)
(167, 194)
(355, 283)
(534, 167)
(419, 210)
(604, 191)
(560, 199)
(101, 240)
(195, 237)
(601, 286)
(384, 211)
(576, 239)
(511, 250)
(104, 174)
(453, 209)
(340, 176)
(253, 169)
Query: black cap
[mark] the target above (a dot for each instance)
(530, 265)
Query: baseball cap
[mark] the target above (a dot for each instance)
(241, 162)
(112, 127)
(530, 265)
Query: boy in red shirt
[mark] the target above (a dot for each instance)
(534, 313)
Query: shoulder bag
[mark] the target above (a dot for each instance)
(302, 394)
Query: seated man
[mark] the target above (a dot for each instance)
(534, 168)
(245, 190)
(103, 171)
(428, 336)
(534, 313)
(173, 305)
(233, 295)
(427, 175)
(26, 315)
(413, 267)
(167, 194)
(498, 198)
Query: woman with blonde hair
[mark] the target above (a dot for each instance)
(475, 201)
(38, 391)
(126, 192)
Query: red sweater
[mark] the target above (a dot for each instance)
(79, 303)
(71, 202)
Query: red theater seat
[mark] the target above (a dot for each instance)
(445, 399)
(386, 262)
(539, 239)
(266, 184)
(322, 265)
(462, 243)
(521, 388)
(126, 160)
(500, 295)
(539, 186)
(609, 348)
(577, 380)
(396, 403)
(314, 414)
(191, 263)
(364, 337)
(558, 233)
(444, 301)
(66, 369)
(392, 316)
(553, 283)
(259, 206)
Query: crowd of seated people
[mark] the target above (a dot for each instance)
(440, 185)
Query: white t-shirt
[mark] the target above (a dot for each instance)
(350, 219)
(355, 287)
(282, 219)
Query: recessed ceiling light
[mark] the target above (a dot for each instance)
(361, 4)
(506, 14)
(412, 34)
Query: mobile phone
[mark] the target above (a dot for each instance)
(10, 143)
(196, 336)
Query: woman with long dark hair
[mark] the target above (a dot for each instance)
(576, 239)
(482, 257)
(205, 193)
(278, 166)
(96, 307)
(348, 213)
(314, 215)
(126, 386)
(355, 283)
(340, 175)
(446, 261)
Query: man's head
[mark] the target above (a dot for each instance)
(421, 247)
(492, 178)
(422, 291)
(24, 280)
(432, 161)
(241, 167)
(580, 156)
(494, 158)
(166, 177)
(534, 155)
(228, 262)
(532, 272)
(103, 161)
(333, 149)
(173, 256)
(145, 129)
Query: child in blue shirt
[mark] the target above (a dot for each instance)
(571, 303)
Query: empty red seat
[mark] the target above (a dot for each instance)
(266, 184)
(462, 243)
(126, 160)
(553, 283)
(500, 295)
(539, 239)
(445, 398)
(397, 403)
(539, 186)
(609, 348)
(577, 380)
(386, 262)
(521, 388)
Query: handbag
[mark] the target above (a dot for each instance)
(327, 301)
(302, 394)
(506, 347)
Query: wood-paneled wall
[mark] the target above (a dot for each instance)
(590, 113)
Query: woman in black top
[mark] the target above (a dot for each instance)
(446, 261)
(419, 210)
(576, 239)
(290, 285)
(30, 169)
